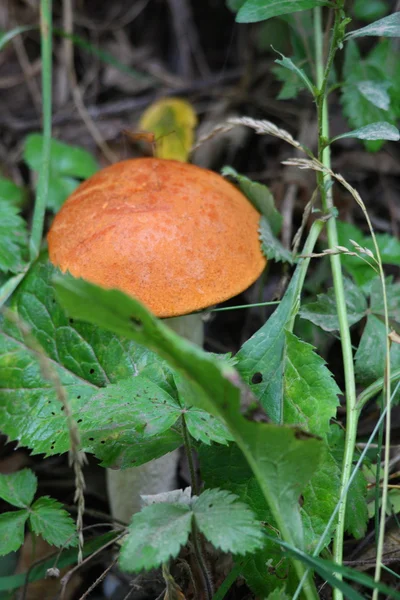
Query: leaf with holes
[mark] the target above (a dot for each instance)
(283, 458)
(49, 520)
(155, 535)
(323, 311)
(18, 488)
(99, 371)
(226, 523)
(12, 529)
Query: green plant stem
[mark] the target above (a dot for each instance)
(325, 185)
(374, 389)
(189, 455)
(229, 580)
(43, 181)
(207, 583)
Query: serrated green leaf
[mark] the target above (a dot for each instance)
(228, 524)
(99, 371)
(290, 454)
(356, 518)
(323, 312)
(271, 246)
(13, 238)
(371, 352)
(376, 93)
(287, 63)
(387, 27)
(11, 193)
(68, 164)
(12, 528)
(253, 11)
(379, 70)
(49, 520)
(155, 535)
(310, 393)
(205, 428)
(18, 488)
(262, 355)
(259, 195)
(319, 501)
(373, 131)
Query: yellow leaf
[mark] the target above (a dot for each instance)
(172, 121)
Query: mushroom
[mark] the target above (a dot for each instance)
(179, 238)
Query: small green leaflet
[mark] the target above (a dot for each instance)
(12, 530)
(11, 193)
(46, 516)
(18, 488)
(13, 238)
(289, 64)
(68, 165)
(387, 27)
(374, 131)
(253, 11)
(259, 195)
(228, 524)
(160, 529)
(270, 244)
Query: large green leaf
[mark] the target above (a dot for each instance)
(18, 488)
(155, 535)
(100, 371)
(49, 520)
(283, 459)
(261, 358)
(228, 524)
(387, 27)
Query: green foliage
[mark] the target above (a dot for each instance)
(253, 11)
(270, 245)
(46, 517)
(68, 165)
(11, 193)
(371, 10)
(369, 83)
(375, 131)
(363, 274)
(387, 27)
(371, 352)
(159, 531)
(260, 196)
(13, 237)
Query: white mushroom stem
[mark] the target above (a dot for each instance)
(126, 486)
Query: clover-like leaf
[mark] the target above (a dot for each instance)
(12, 528)
(18, 488)
(228, 524)
(155, 534)
(49, 520)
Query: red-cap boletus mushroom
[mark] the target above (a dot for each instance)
(178, 237)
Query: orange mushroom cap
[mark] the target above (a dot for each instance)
(176, 236)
